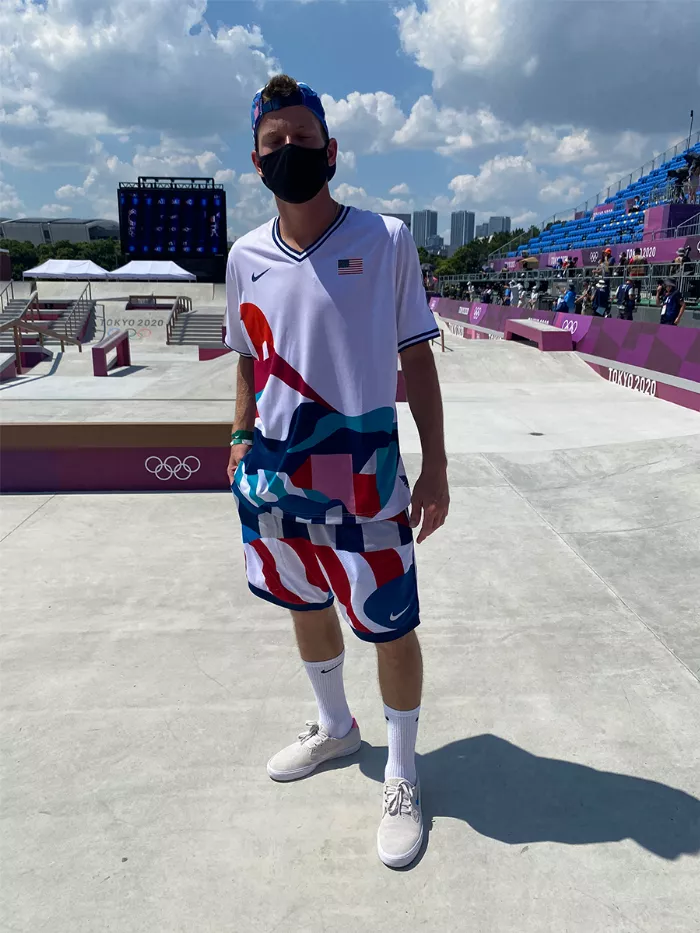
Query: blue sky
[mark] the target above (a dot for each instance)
(524, 107)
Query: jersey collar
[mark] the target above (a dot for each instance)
(300, 256)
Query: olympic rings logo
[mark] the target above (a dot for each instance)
(172, 467)
(571, 326)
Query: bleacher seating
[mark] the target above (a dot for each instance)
(614, 226)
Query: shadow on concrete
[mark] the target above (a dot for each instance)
(23, 380)
(508, 794)
(125, 371)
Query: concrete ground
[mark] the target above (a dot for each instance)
(143, 689)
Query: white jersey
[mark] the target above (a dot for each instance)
(324, 326)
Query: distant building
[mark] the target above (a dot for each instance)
(481, 230)
(424, 226)
(499, 225)
(434, 243)
(40, 230)
(461, 229)
(406, 218)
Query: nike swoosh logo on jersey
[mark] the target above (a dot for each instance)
(254, 277)
(331, 669)
(393, 618)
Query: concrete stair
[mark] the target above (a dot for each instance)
(198, 328)
(15, 307)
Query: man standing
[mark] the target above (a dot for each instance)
(626, 300)
(601, 299)
(638, 271)
(673, 306)
(319, 303)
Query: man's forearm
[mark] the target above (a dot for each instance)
(425, 401)
(244, 418)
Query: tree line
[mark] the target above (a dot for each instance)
(25, 255)
(471, 258)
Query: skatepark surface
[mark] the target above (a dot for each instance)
(143, 688)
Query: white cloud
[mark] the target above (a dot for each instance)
(95, 66)
(363, 122)
(564, 191)
(52, 210)
(224, 175)
(358, 197)
(449, 36)
(498, 178)
(574, 148)
(10, 201)
(448, 130)
(401, 189)
(26, 115)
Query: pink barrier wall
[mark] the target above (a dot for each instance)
(661, 348)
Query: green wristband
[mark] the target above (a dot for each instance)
(238, 436)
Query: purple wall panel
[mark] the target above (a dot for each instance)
(108, 468)
(658, 347)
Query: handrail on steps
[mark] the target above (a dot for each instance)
(182, 305)
(72, 321)
(4, 298)
(18, 325)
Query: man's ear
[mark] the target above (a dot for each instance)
(332, 151)
(256, 162)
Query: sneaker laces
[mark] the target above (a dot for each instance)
(398, 800)
(313, 735)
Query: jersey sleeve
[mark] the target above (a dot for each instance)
(235, 338)
(415, 322)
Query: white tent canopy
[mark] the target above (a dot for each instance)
(67, 269)
(157, 271)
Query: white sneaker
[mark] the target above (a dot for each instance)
(313, 747)
(400, 833)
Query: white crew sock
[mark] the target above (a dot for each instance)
(327, 680)
(402, 729)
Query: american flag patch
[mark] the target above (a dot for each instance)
(350, 267)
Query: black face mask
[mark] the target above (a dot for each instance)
(296, 174)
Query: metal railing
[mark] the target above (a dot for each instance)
(74, 321)
(623, 182)
(7, 295)
(684, 274)
(18, 326)
(690, 227)
(182, 305)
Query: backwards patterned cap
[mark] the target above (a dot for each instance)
(304, 97)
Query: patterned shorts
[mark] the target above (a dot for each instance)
(368, 567)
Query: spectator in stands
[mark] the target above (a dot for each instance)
(534, 297)
(570, 298)
(601, 299)
(635, 206)
(678, 177)
(587, 297)
(673, 306)
(682, 257)
(622, 261)
(638, 271)
(625, 298)
(507, 296)
(529, 262)
(694, 180)
(607, 262)
(515, 293)
(567, 301)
